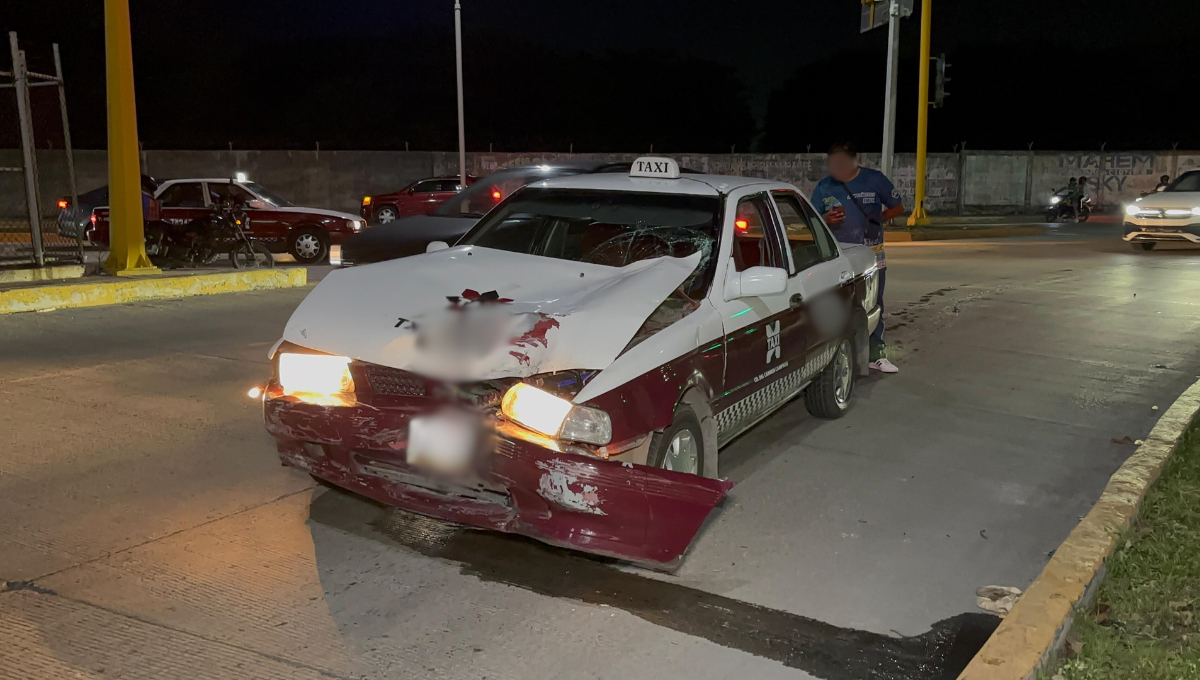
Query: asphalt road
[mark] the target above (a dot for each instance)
(149, 531)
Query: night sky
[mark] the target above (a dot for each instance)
(698, 75)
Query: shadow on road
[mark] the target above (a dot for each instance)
(818, 648)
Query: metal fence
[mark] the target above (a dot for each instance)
(34, 238)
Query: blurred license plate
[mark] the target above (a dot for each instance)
(445, 442)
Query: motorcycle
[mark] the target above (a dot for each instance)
(1061, 208)
(201, 241)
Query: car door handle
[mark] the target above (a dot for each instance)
(796, 301)
(844, 277)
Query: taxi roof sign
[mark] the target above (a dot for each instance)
(655, 166)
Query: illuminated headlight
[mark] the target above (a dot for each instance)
(319, 378)
(335, 255)
(354, 225)
(1056, 200)
(1179, 213)
(1196, 211)
(1132, 209)
(554, 416)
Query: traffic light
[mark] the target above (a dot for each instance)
(940, 93)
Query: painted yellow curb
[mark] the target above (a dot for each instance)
(114, 291)
(67, 271)
(950, 233)
(1037, 625)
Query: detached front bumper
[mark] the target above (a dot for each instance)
(633, 512)
(1160, 230)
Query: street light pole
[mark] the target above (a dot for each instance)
(919, 217)
(462, 132)
(893, 70)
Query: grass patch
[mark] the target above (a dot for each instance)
(1145, 621)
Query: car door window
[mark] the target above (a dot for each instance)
(220, 191)
(754, 235)
(807, 238)
(448, 186)
(183, 195)
(426, 187)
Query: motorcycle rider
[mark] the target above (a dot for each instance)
(1081, 197)
(1072, 196)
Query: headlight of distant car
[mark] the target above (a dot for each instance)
(1178, 213)
(554, 416)
(316, 378)
(1196, 211)
(1056, 200)
(355, 225)
(1132, 209)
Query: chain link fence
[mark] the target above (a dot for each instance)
(28, 233)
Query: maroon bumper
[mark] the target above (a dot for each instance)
(623, 510)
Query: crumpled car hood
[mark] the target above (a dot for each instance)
(471, 313)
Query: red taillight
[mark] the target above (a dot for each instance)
(496, 194)
(93, 218)
(62, 204)
(742, 225)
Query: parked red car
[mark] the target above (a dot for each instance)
(418, 198)
(306, 233)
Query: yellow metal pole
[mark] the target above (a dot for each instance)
(919, 216)
(127, 241)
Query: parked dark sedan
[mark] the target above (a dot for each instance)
(74, 219)
(455, 217)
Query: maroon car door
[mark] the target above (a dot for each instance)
(182, 202)
(765, 336)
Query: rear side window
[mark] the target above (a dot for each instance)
(807, 238)
(185, 195)
(755, 236)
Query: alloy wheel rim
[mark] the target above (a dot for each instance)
(386, 215)
(307, 245)
(681, 453)
(842, 375)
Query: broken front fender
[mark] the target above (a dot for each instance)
(633, 512)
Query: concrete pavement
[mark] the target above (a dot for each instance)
(151, 532)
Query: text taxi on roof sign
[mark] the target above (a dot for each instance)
(655, 166)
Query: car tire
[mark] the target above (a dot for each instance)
(1144, 246)
(309, 245)
(828, 395)
(386, 214)
(679, 446)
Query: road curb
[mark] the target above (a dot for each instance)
(115, 291)
(949, 233)
(51, 273)
(1036, 627)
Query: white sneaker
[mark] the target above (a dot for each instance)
(884, 366)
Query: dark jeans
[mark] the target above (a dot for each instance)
(878, 346)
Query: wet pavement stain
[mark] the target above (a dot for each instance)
(820, 649)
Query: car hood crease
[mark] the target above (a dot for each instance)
(567, 315)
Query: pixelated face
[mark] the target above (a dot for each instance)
(842, 166)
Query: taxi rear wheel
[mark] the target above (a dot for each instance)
(828, 396)
(680, 447)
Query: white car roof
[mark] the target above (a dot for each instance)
(698, 185)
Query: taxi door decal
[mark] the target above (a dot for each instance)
(774, 349)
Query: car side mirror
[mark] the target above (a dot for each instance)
(755, 282)
(256, 204)
(435, 246)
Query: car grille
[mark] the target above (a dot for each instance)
(394, 382)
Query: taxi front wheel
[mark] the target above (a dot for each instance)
(680, 447)
(828, 395)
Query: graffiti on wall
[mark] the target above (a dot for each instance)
(1116, 174)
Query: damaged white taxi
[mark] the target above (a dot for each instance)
(570, 369)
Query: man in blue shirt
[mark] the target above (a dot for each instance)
(855, 202)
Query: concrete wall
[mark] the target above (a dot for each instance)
(987, 180)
